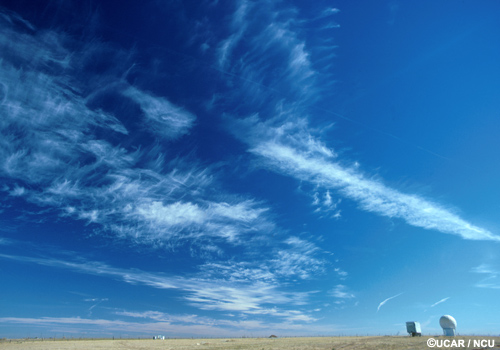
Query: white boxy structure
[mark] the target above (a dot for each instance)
(449, 325)
(413, 328)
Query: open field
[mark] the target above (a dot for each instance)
(313, 343)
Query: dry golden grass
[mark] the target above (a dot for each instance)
(318, 343)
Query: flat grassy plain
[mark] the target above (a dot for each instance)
(309, 343)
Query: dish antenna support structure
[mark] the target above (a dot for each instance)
(449, 325)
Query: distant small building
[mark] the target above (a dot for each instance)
(413, 328)
(162, 337)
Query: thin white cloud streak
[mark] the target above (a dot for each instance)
(99, 301)
(297, 155)
(239, 26)
(386, 300)
(440, 301)
(491, 281)
(235, 292)
(291, 149)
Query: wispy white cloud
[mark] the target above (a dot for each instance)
(164, 317)
(238, 27)
(101, 326)
(343, 274)
(330, 11)
(95, 302)
(162, 117)
(5, 241)
(265, 32)
(485, 268)
(440, 301)
(239, 271)
(341, 292)
(280, 133)
(326, 205)
(219, 219)
(66, 320)
(492, 279)
(178, 213)
(297, 156)
(155, 322)
(236, 290)
(279, 39)
(298, 259)
(386, 300)
(291, 259)
(60, 148)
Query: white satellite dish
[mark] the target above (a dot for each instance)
(449, 325)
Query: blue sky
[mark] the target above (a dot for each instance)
(246, 168)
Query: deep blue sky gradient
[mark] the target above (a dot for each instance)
(237, 168)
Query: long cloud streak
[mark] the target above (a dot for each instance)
(440, 301)
(291, 148)
(386, 300)
(308, 164)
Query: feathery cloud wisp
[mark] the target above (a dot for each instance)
(235, 289)
(284, 141)
(62, 146)
(340, 291)
(440, 301)
(301, 156)
(161, 116)
(491, 280)
(386, 300)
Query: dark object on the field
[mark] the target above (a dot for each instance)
(413, 328)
